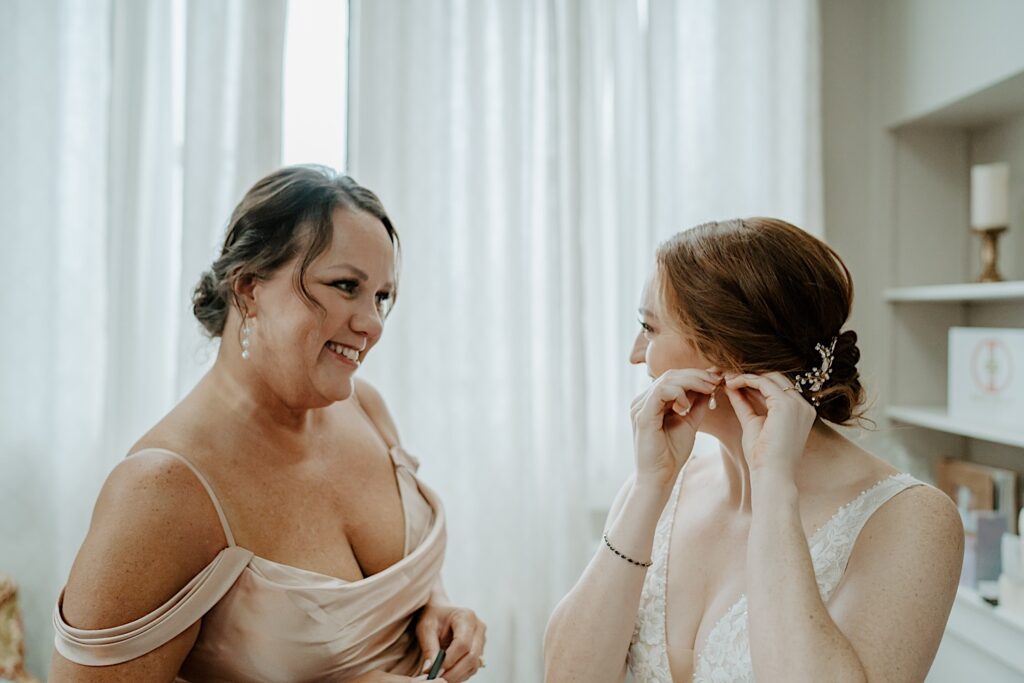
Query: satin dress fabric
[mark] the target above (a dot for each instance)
(267, 621)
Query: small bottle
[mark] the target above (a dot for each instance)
(1020, 533)
(968, 576)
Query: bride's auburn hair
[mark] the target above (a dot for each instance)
(757, 295)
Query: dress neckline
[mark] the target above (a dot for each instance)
(400, 460)
(329, 581)
(739, 602)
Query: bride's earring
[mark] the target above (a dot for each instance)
(245, 340)
(712, 403)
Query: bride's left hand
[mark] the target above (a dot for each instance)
(775, 417)
(460, 632)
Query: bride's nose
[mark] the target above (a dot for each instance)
(638, 355)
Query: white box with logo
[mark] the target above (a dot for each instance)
(986, 375)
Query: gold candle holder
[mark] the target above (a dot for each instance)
(990, 253)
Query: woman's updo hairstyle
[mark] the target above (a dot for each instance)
(758, 295)
(285, 213)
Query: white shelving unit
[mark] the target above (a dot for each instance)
(938, 418)
(965, 293)
(931, 243)
(990, 637)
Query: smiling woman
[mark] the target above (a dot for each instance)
(320, 221)
(274, 507)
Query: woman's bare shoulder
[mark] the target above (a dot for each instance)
(193, 428)
(900, 582)
(153, 529)
(920, 512)
(372, 402)
(850, 467)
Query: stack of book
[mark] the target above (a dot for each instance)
(987, 498)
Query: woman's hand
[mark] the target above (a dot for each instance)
(776, 420)
(460, 632)
(665, 421)
(379, 676)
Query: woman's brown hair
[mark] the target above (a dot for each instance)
(758, 295)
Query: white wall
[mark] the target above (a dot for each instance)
(937, 51)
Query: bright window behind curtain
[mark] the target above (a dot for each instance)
(316, 83)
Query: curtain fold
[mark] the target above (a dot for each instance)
(99, 341)
(233, 115)
(53, 191)
(532, 155)
(140, 236)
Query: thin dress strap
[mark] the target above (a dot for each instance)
(399, 456)
(390, 443)
(206, 485)
(832, 545)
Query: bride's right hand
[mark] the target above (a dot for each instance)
(379, 676)
(665, 421)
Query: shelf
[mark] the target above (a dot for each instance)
(936, 417)
(992, 630)
(984, 106)
(971, 291)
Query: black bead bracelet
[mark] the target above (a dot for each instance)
(626, 558)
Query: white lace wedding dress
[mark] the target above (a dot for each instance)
(725, 657)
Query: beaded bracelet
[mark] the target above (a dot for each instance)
(626, 558)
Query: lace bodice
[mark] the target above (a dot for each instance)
(725, 657)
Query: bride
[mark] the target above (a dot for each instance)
(786, 552)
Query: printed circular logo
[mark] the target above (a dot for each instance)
(991, 366)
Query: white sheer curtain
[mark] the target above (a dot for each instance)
(53, 199)
(233, 113)
(532, 155)
(103, 236)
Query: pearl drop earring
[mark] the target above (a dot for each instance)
(712, 403)
(245, 340)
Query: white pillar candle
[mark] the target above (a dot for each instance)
(990, 185)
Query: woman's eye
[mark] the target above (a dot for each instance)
(347, 286)
(383, 300)
(645, 327)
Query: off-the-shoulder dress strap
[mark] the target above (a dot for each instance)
(117, 644)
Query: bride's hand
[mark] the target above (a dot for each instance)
(665, 420)
(775, 417)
